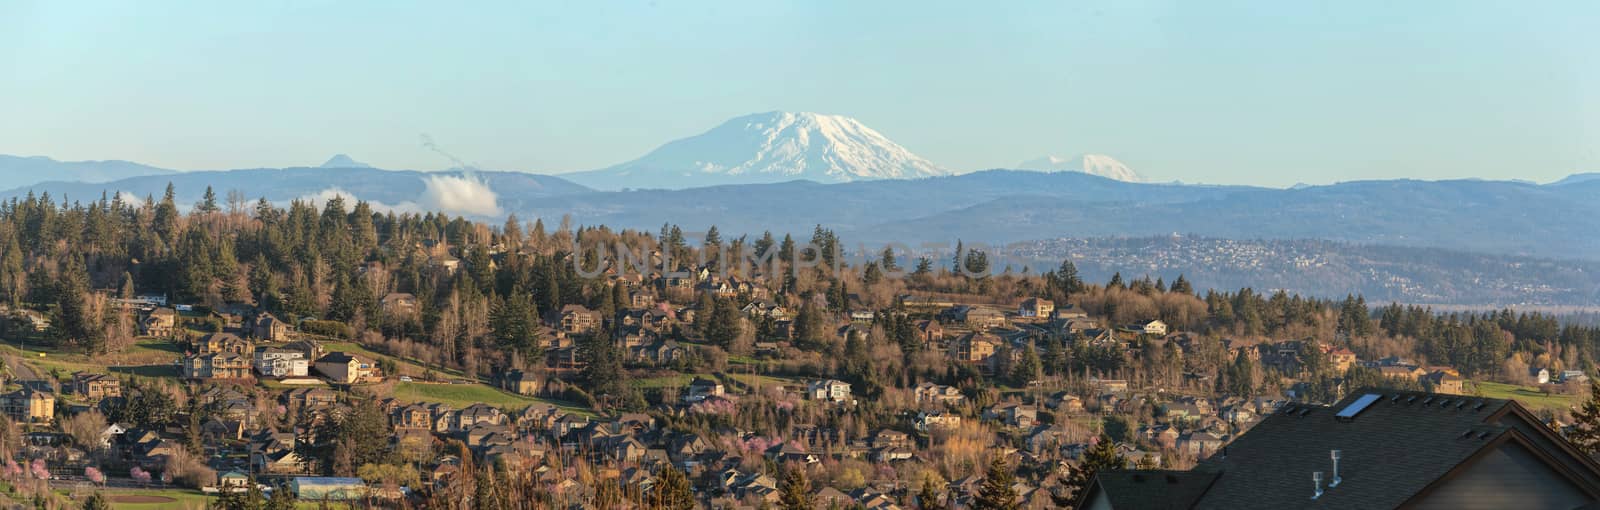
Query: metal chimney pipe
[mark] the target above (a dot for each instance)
(1316, 478)
(1335, 481)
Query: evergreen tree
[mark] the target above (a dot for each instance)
(515, 323)
(1116, 281)
(672, 491)
(208, 203)
(96, 501)
(1181, 286)
(929, 498)
(795, 492)
(1585, 432)
(996, 492)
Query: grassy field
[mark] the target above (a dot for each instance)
(153, 499)
(459, 395)
(1532, 398)
(462, 395)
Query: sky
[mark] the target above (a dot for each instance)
(1267, 93)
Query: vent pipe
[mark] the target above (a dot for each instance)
(1316, 479)
(1335, 481)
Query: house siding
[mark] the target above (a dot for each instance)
(1508, 477)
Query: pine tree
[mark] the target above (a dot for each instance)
(996, 492)
(672, 491)
(1585, 432)
(1181, 286)
(929, 498)
(795, 492)
(96, 501)
(208, 204)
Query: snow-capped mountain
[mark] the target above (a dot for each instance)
(343, 161)
(768, 147)
(1092, 164)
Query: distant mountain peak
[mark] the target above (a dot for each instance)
(1092, 164)
(770, 147)
(344, 161)
(1577, 178)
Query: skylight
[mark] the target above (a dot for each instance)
(1350, 411)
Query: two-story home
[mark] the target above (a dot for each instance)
(159, 322)
(347, 368)
(216, 365)
(267, 328)
(1036, 308)
(828, 390)
(930, 393)
(94, 387)
(223, 342)
(280, 362)
(29, 405)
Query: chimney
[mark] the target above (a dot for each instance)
(1316, 478)
(1335, 481)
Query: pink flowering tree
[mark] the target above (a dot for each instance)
(13, 470)
(39, 469)
(94, 475)
(139, 475)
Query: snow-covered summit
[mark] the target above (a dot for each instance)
(1092, 164)
(769, 147)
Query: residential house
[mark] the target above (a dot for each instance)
(928, 421)
(217, 365)
(346, 368)
(399, 304)
(1153, 327)
(977, 317)
(1013, 414)
(223, 342)
(1036, 308)
(1538, 375)
(280, 362)
(700, 389)
(94, 387)
(159, 322)
(931, 332)
(29, 405)
(267, 328)
(1445, 382)
(830, 390)
(1394, 450)
(574, 319)
(929, 393)
(975, 347)
(521, 382)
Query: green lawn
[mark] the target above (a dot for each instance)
(462, 395)
(669, 381)
(458, 395)
(179, 499)
(1527, 396)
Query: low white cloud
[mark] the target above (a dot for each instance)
(451, 194)
(459, 195)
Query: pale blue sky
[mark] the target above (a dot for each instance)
(1266, 92)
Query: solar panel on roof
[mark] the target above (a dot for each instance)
(1350, 411)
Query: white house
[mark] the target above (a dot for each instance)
(832, 390)
(276, 362)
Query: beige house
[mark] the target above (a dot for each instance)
(345, 368)
(94, 387)
(159, 322)
(1036, 308)
(27, 405)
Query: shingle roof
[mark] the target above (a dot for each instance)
(1154, 490)
(1390, 451)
